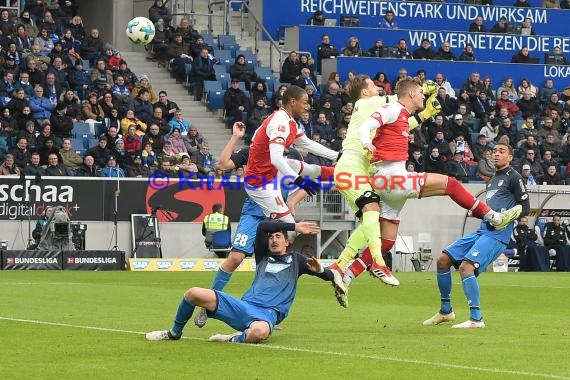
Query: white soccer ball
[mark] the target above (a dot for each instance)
(140, 31)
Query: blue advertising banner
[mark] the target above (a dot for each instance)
(409, 15)
(456, 72)
(487, 47)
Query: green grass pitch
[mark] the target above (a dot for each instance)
(91, 325)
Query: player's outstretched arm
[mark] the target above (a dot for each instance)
(315, 148)
(224, 162)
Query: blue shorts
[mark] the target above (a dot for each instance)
(244, 238)
(481, 250)
(240, 314)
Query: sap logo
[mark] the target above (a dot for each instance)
(164, 265)
(211, 265)
(187, 264)
(10, 260)
(140, 264)
(275, 268)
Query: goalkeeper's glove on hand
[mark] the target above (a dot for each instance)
(429, 87)
(432, 108)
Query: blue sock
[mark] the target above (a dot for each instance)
(183, 314)
(444, 284)
(240, 338)
(471, 289)
(221, 279)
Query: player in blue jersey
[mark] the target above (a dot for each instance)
(251, 213)
(269, 298)
(472, 253)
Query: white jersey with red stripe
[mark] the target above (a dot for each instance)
(391, 137)
(278, 128)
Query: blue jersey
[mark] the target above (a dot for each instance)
(275, 282)
(505, 190)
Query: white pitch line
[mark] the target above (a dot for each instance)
(306, 350)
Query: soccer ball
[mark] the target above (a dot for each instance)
(140, 31)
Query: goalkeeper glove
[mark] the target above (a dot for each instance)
(432, 108)
(429, 87)
(306, 184)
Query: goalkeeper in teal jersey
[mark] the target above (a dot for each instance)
(353, 170)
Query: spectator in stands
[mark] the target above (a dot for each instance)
(439, 124)
(193, 140)
(291, 69)
(381, 81)
(257, 115)
(482, 107)
(127, 74)
(92, 46)
(158, 119)
(202, 69)
(323, 127)
(62, 125)
(243, 71)
(526, 144)
(22, 44)
(40, 106)
(547, 159)
(458, 168)
(258, 91)
(522, 4)
(155, 138)
(526, 27)
(149, 157)
(169, 108)
(460, 143)
(448, 104)
(179, 122)
(306, 123)
(527, 86)
(44, 42)
(527, 176)
(20, 152)
(79, 79)
(531, 160)
(7, 84)
(508, 129)
(33, 168)
(528, 105)
(112, 169)
(159, 10)
(197, 47)
(505, 102)
(464, 99)
(8, 167)
(467, 54)
(473, 85)
(565, 154)
(112, 135)
(486, 168)
(318, 18)
(178, 145)
(92, 111)
(6, 25)
(168, 153)
(308, 63)
(491, 128)
(546, 91)
(528, 128)
(49, 23)
(417, 160)
(131, 140)
(387, 21)
(480, 146)
(352, 48)
(8, 124)
(441, 144)
(564, 4)
(477, 25)
(512, 92)
(69, 158)
(188, 33)
(522, 56)
(444, 53)
(500, 27)
(402, 51)
(67, 42)
(144, 84)
(204, 160)
(137, 169)
(101, 72)
(77, 30)
(177, 54)
(235, 102)
(306, 80)
(45, 134)
(131, 120)
(28, 23)
(19, 101)
(25, 117)
(29, 133)
(100, 152)
(488, 88)
(56, 168)
(325, 50)
(546, 128)
(551, 144)
(336, 142)
(424, 51)
(552, 4)
(121, 93)
(553, 103)
(42, 62)
(377, 50)
(434, 162)
(142, 107)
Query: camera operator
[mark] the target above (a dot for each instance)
(40, 224)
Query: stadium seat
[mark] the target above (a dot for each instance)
(474, 137)
(228, 42)
(81, 129)
(473, 171)
(242, 87)
(208, 39)
(223, 54)
(210, 85)
(4, 144)
(220, 68)
(92, 142)
(224, 79)
(221, 243)
(248, 55)
(263, 71)
(77, 143)
(520, 122)
(476, 124)
(216, 100)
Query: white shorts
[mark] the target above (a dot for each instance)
(395, 185)
(270, 199)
